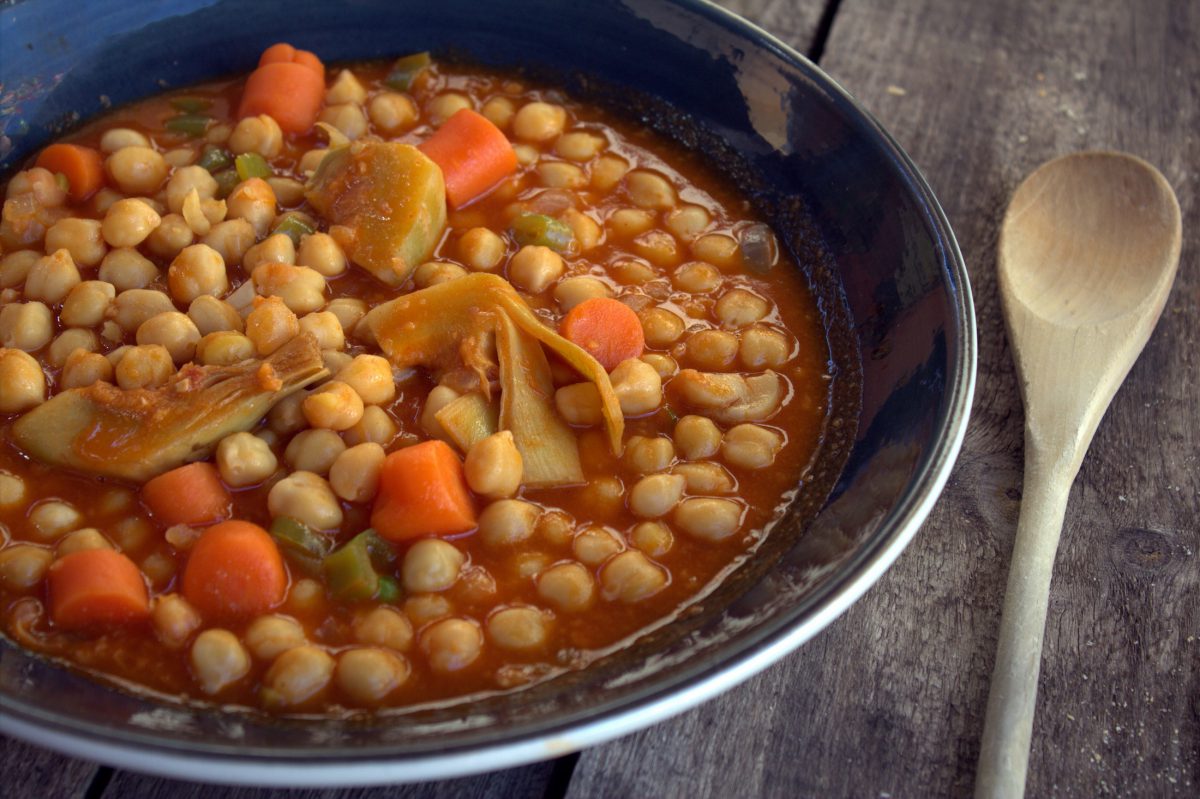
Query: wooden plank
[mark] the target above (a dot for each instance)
(890, 699)
(30, 771)
(529, 782)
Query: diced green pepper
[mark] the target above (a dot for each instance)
(252, 165)
(62, 181)
(191, 125)
(543, 230)
(214, 159)
(388, 591)
(293, 226)
(349, 572)
(406, 70)
(300, 544)
(226, 179)
(190, 105)
(383, 554)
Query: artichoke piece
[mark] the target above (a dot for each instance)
(386, 204)
(138, 434)
(451, 324)
(469, 419)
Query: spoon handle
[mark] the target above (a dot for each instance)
(1008, 727)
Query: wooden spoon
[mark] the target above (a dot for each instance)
(1088, 252)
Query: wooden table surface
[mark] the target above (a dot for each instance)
(889, 700)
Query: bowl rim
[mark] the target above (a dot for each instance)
(29, 723)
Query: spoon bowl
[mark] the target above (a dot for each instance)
(1089, 247)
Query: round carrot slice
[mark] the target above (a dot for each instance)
(234, 570)
(608, 329)
(96, 587)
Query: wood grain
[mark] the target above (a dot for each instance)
(30, 771)
(889, 701)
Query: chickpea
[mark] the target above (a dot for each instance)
(41, 183)
(348, 310)
(493, 466)
(534, 268)
(383, 626)
(573, 290)
(662, 328)
(184, 181)
(287, 415)
(633, 273)
(539, 122)
(231, 240)
(126, 268)
(392, 113)
(314, 451)
(717, 249)
(637, 386)
(527, 154)
(118, 138)
(15, 266)
(650, 190)
(507, 522)
(174, 331)
(260, 134)
(370, 376)
(452, 644)
(128, 222)
(631, 577)
(81, 540)
(697, 277)
(274, 249)
(594, 545)
(739, 307)
(367, 676)
(605, 494)
(556, 528)
(439, 397)
(148, 366)
(655, 495)
(23, 566)
(697, 437)
(431, 565)
(301, 289)
(270, 636)
(499, 111)
(646, 455)
(446, 105)
(211, 315)
(86, 303)
(663, 364)
(131, 308)
(375, 427)
(579, 404)
(354, 475)
(26, 326)
(708, 518)
(326, 329)
(82, 369)
(764, 348)
(569, 587)
(751, 446)
(518, 628)
(51, 278)
(136, 169)
(579, 145)
(12, 490)
(334, 405)
(307, 498)
(174, 620)
(224, 348)
(244, 459)
(170, 237)
(687, 221)
(653, 538)
(319, 252)
(254, 201)
(197, 271)
(311, 160)
(218, 660)
(658, 247)
(561, 175)
(23, 381)
(271, 325)
(607, 172)
(712, 350)
(346, 117)
(68, 341)
(481, 249)
(297, 675)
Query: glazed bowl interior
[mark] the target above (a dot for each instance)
(846, 201)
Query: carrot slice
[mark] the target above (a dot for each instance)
(422, 491)
(96, 587)
(473, 153)
(81, 165)
(608, 329)
(191, 494)
(288, 86)
(234, 570)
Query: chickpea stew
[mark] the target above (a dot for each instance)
(395, 384)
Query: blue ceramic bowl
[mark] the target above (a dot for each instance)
(885, 265)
